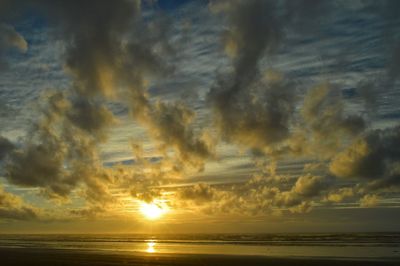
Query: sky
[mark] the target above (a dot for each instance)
(222, 116)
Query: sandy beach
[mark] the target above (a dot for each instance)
(29, 256)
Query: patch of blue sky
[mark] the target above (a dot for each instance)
(28, 75)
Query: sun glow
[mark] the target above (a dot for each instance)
(152, 211)
(150, 247)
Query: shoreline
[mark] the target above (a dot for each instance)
(48, 256)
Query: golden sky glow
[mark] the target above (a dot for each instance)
(153, 210)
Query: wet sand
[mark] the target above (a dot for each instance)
(29, 256)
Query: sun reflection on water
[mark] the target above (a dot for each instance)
(150, 246)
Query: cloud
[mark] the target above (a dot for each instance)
(323, 112)
(210, 199)
(9, 38)
(90, 116)
(247, 111)
(340, 195)
(309, 185)
(374, 157)
(200, 192)
(259, 110)
(369, 201)
(60, 153)
(13, 208)
(259, 195)
(92, 55)
(5, 147)
(258, 116)
(88, 212)
(54, 152)
(297, 199)
(118, 62)
(145, 179)
(171, 124)
(326, 124)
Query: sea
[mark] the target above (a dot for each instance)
(333, 245)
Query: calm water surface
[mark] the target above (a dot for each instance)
(360, 245)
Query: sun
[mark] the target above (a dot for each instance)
(152, 211)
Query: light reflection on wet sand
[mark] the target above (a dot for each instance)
(160, 247)
(364, 246)
(150, 246)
